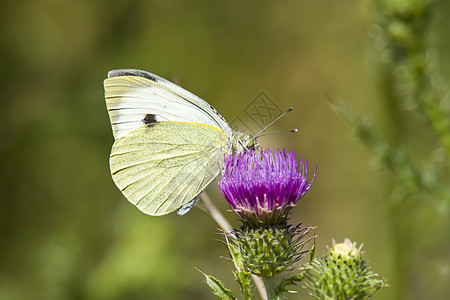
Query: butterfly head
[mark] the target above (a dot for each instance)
(242, 142)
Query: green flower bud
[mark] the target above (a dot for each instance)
(271, 250)
(342, 274)
(346, 250)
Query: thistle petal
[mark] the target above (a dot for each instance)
(262, 187)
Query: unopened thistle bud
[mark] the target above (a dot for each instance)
(342, 274)
(270, 251)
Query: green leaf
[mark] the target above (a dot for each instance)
(218, 288)
(244, 280)
(242, 277)
(312, 252)
(235, 255)
(282, 286)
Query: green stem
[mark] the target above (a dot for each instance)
(208, 207)
(271, 285)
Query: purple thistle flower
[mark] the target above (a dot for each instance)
(263, 187)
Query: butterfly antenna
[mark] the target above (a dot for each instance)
(281, 131)
(289, 110)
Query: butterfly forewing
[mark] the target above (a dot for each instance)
(133, 94)
(164, 165)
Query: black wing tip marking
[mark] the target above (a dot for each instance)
(132, 72)
(149, 120)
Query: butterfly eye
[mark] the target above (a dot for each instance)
(244, 143)
(251, 143)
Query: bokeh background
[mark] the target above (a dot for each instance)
(66, 232)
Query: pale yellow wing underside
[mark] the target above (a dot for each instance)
(162, 166)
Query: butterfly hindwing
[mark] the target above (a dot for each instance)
(164, 165)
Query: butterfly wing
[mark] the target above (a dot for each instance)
(162, 166)
(131, 95)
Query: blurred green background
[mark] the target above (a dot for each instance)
(66, 232)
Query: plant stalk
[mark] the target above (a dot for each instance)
(208, 207)
(271, 286)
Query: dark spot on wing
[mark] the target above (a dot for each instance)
(132, 72)
(149, 119)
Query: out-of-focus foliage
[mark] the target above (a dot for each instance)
(416, 94)
(66, 232)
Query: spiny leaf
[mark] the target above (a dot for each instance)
(236, 255)
(282, 286)
(244, 280)
(242, 277)
(312, 252)
(218, 288)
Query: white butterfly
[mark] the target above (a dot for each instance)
(169, 144)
